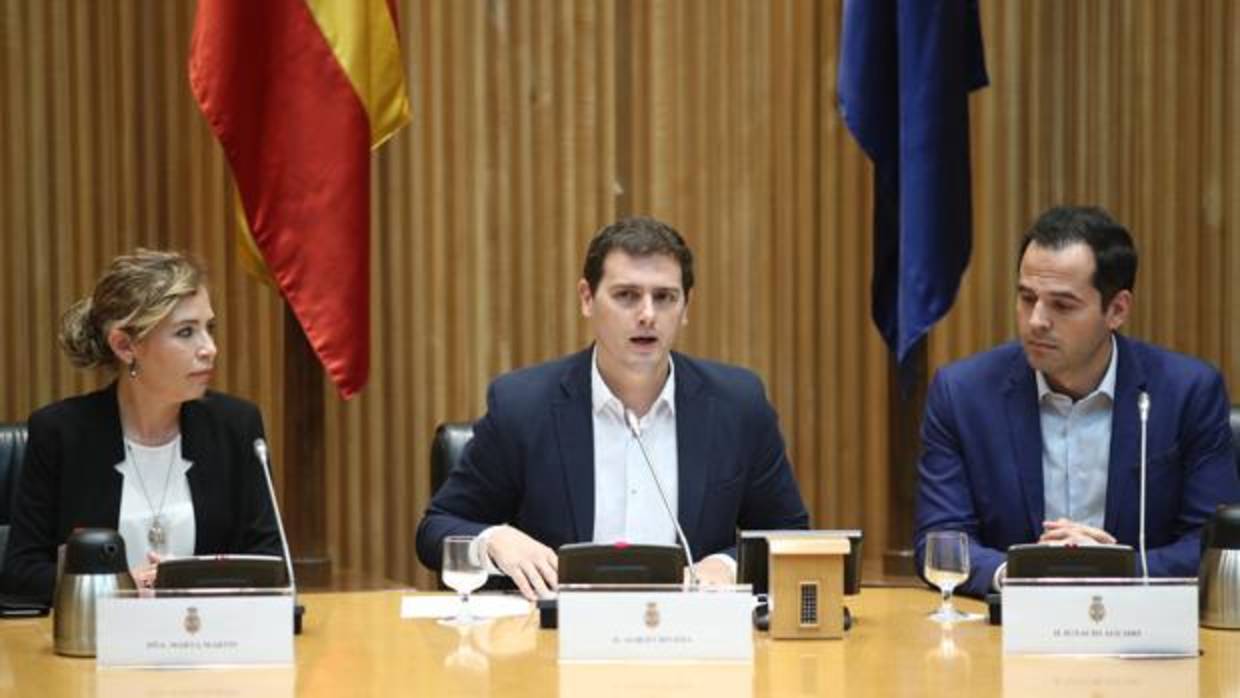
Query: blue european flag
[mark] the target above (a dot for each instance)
(906, 70)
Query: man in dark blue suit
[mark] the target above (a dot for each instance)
(1039, 441)
(554, 459)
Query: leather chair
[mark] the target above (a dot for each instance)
(447, 449)
(12, 451)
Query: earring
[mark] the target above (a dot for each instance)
(133, 368)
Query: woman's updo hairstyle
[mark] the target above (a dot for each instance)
(135, 293)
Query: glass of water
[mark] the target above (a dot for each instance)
(463, 571)
(947, 566)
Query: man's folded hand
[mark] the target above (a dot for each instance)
(1064, 532)
(530, 564)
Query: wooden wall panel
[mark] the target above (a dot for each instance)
(103, 151)
(1128, 105)
(535, 122)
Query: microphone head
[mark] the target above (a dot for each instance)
(260, 449)
(1143, 403)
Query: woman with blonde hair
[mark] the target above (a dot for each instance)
(154, 455)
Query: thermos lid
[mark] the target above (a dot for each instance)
(95, 551)
(1224, 528)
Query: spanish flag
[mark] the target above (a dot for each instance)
(299, 92)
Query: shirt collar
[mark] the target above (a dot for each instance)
(602, 397)
(1106, 387)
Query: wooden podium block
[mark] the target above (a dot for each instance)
(807, 587)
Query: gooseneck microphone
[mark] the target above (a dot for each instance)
(1143, 408)
(630, 419)
(260, 450)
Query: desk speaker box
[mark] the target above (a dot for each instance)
(807, 587)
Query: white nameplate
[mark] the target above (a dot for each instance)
(656, 625)
(195, 631)
(1100, 617)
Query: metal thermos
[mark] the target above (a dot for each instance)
(95, 566)
(1219, 576)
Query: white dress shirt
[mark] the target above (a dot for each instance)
(627, 505)
(156, 465)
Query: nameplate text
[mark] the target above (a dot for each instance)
(656, 625)
(195, 631)
(1100, 617)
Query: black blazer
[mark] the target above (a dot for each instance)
(531, 461)
(68, 481)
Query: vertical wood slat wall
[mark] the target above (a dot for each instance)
(536, 121)
(101, 151)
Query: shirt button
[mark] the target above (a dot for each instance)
(632, 491)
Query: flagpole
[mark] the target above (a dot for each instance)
(305, 463)
(905, 405)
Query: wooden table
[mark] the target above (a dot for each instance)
(355, 644)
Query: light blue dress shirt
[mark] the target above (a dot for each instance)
(1076, 449)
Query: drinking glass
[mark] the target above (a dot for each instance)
(947, 565)
(463, 571)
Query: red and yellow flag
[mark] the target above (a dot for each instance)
(298, 92)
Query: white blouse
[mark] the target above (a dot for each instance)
(161, 469)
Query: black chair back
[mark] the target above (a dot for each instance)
(447, 449)
(1235, 434)
(12, 452)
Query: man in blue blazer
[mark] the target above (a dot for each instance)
(1039, 440)
(555, 459)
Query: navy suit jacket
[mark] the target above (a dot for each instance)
(981, 466)
(531, 461)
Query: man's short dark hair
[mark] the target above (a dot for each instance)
(1115, 257)
(638, 236)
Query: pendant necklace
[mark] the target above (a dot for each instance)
(156, 535)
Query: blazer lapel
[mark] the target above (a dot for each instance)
(694, 423)
(109, 438)
(574, 426)
(1125, 437)
(195, 448)
(1025, 428)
